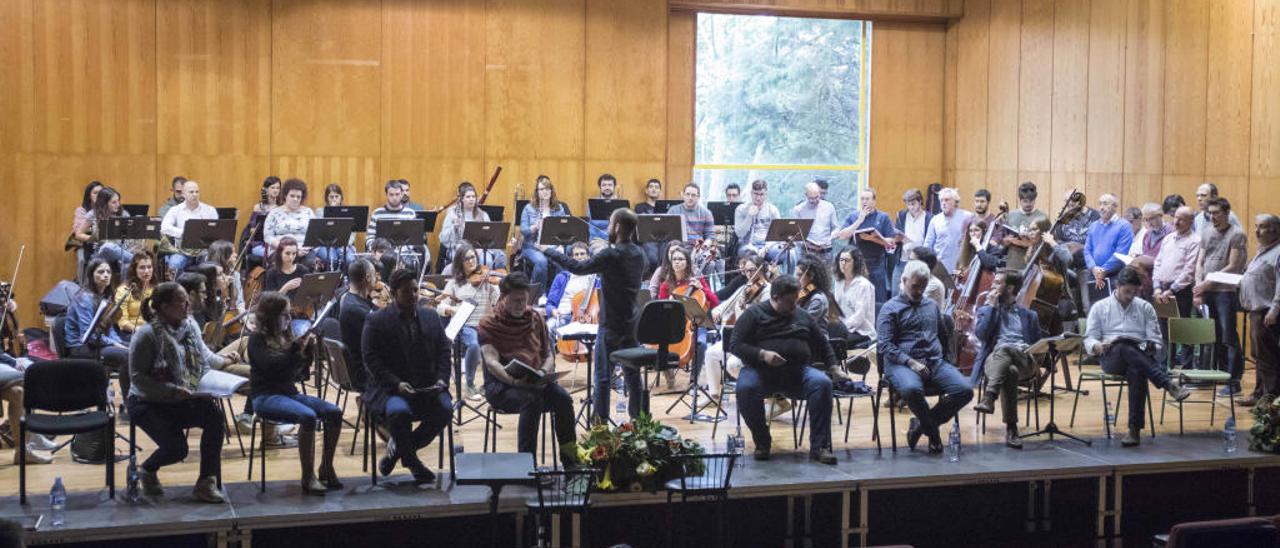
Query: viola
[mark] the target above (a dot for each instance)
(484, 273)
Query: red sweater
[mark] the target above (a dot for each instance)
(664, 292)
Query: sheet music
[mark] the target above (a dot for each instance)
(578, 328)
(459, 319)
(1224, 278)
(1124, 258)
(97, 316)
(218, 384)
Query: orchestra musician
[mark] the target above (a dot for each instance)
(1021, 219)
(466, 209)
(988, 255)
(777, 341)
(1069, 235)
(1223, 248)
(405, 199)
(678, 279)
(826, 225)
(751, 223)
(1124, 333)
(621, 267)
(285, 276)
(408, 357)
(175, 221)
(269, 197)
(699, 229)
(1006, 330)
(137, 287)
(911, 332)
(223, 254)
(97, 340)
(175, 187)
(1205, 194)
(470, 284)
(1108, 236)
(334, 197)
(83, 219)
(946, 230)
(566, 287)
(353, 308)
(105, 207)
(544, 204)
(608, 186)
(514, 331)
(754, 289)
(1173, 275)
(395, 210)
(290, 219)
(856, 298)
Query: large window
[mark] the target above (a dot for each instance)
(785, 100)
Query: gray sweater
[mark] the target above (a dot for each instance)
(157, 378)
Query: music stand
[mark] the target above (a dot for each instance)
(494, 211)
(520, 203)
(663, 206)
(401, 233)
(428, 219)
(660, 228)
(316, 288)
(599, 209)
(136, 210)
(201, 233)
(486, 236)
(225, 213)
(461, 314)
(700, 318)
(723, 212)
(562, 230)
(332, 234)
(359, 215)
(1055, 349)
(129, 228)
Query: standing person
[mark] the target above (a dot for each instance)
(1123, 332)
(608, 185)
(1108, 236)
(1154, 229)
(1006, 329)
(516, 332)
(405, 199)
(946, 230)
(1223, 248)
(777, 342)
(1174, 273)
(175, 221)
(751, 223)
(544, 204)
(334, 197)
(911, 332)
(1205, 194)
(1022, 219)
(175, 198)
(856, 297)
(290, 219)
(137, 287)
(621, 268)
(466, 284)
(394, 210)
(825, 224)
(408, 357)
(874, 252)
(86, 340)
(277, 359)
(912, 223)
(167, 359)
(1260, 298)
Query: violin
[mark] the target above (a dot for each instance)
(381, 294)
(11, 337)
(484, 273)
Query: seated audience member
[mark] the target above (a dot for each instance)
(1124, 333)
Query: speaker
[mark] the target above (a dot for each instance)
(56, 301)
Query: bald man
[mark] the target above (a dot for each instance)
(175, 221)
(1174, 272)
(1108, 236)
(873, 253)
(825, 223)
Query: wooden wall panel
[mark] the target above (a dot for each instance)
(681, 69)
(1185, 88)
(1264, 150)
(1003, 95)
(17, 111)
(1143, 107)
(972, 58)
(1230, 62)
(906, 115)
(1105, 130)
(1035, 91)
(1070, 100)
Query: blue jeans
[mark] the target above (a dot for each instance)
(530, 403)
(471, 345)
(538, 264)
(166, 424)
(1223, 306)
(432, 409)
(813, 386)
(113, 252)
(955, 390)
(178, 263)
(331, 256)
(876, 274)
(604, 374)
(297, 409)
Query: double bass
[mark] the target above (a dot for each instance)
(963, 308)
(1042, 285)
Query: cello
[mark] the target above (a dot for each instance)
(586, 310)
(1043, 285)
(963, 308)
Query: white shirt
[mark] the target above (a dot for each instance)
(857, 300)
(1108, 321)
(175, 220)
(576, 284)
(1135, 248)
(914, 228)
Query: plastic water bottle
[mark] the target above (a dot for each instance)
(953, 443)
(1229, 435)
(58, 503)
(1110, 417)
(620, 408)
(131, 480)
(458, 448)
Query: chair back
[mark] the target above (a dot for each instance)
(661, 322)
(1226, 532)
(336, 354)
(1192, 331)
(59, 336)
(565, 490)
(708, 474)
(329, 327)
(62, 386)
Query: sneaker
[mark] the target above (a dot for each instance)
(244, 424)
(33, 456)
(41, 443)
(1132, 439)
(206, 490)
(1231, 389)
(1177, 391)
(1011, 438)
(472, 393)
(281, 441)
(150, 483)
(824, 456)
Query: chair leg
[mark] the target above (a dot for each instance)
(1075, 403)
(875, 418)
(253, 437)
(893, 421)
(22, 462)
(848, 421)
(1151, 415)
(1105, 405)
(355, 434)
(1213, 404)
(111, 462)
(262, 461)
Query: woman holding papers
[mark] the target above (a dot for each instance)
(167, 360)
(276, 359)
(468, 285)
(513, 333)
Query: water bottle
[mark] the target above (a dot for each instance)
(58, 503)
(953, 443)
(131, 480)
(620, 408)
(458, 448)
(1110, 417)
(1229, 435)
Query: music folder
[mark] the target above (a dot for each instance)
(599, 209)
(359, 215)
(201, 233)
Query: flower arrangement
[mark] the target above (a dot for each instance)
(639, 455)
(1265, 434)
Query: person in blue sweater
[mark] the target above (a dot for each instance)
(1108, 236)
(105, 344)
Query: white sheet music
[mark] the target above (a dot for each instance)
(459, 319)
(218, 384)
(97, 316)
(578, 328)
(1224, 278)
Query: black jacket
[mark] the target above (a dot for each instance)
(391, 357)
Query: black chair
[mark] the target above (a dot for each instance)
(370, 460)
(661, 323)
(58, 339)
(560, 493)
(1257, 532)
(705, 477)
(70, 388)
(344, 384)
(881, 387)
(840, 348)
(491, 427)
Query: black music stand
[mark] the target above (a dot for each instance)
(1054, 351)
(129, 228)
(660, 228)
(486, 236)
(700, 318)
(428, 218)
(359, 215)
(599, 209)
(452, 331)
(331, 234)
(519, 211)
(494, 211)
(402, 233)
(664, 206)
(316, 288)
(225, 213)
(201, 233)
(563, 230)
(136, 210)
(790, 231)
(723, 212)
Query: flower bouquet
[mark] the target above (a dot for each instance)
(1265, 434)
(635, 456)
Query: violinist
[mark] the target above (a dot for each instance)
(223, 254)
(566, 287)
(285, 275)
(87, 339)
(141, 280)
(105, 207)
(1017, 243)
(754, 289)
(815, 293)
(354, 306)
(470, 284)
(12, 371)
(678, 279)
(856, 298)
(465, 209)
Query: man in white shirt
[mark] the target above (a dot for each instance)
(1206, 193)
(912, 223)
(751, 222)
(824, 227)
(946, 230)
(1124, 333)
(175, 221)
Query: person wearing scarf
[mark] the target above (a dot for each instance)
(515, 331)
(167, 358)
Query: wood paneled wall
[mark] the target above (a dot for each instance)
(1140, 98)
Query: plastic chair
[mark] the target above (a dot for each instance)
(66, 387)
(1196, 331)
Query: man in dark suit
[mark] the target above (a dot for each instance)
(1005, 330)
(408, 357)
(912, 223)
